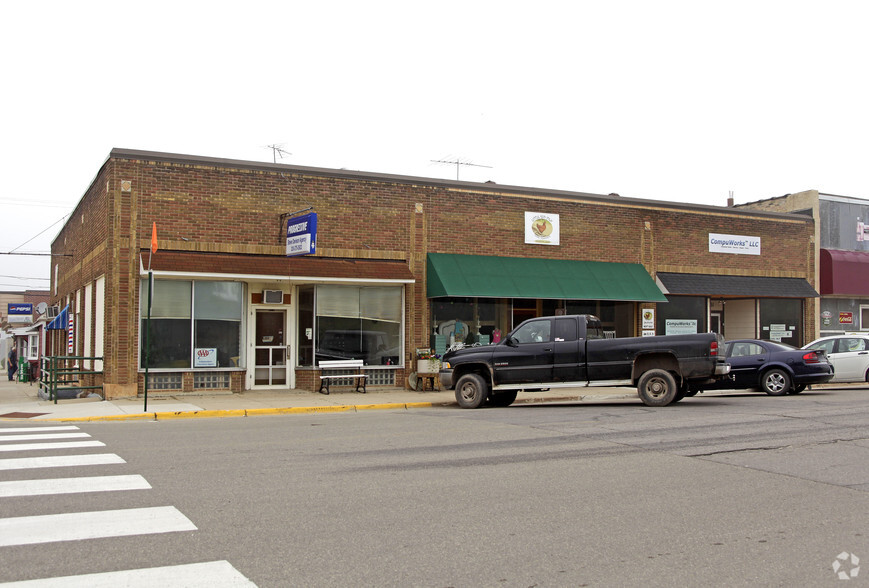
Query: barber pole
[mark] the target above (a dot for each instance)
(69, 337)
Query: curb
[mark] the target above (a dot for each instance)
(164, 416)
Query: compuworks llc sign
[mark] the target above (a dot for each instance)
(738, 244)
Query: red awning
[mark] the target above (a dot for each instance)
(271, 267)
(844, 272)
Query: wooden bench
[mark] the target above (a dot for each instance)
(343, 364)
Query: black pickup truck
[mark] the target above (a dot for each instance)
(571, 351)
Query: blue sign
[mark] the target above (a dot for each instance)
(20, 308)
(302, 235)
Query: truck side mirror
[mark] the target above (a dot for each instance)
(511, 342)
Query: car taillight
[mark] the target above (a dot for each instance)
(713, 348)
(811, 357)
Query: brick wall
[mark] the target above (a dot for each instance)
(230, 207)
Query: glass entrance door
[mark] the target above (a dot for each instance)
(270, 348)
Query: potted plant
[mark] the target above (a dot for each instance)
(427, 362)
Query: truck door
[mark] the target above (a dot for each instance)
(526, 356)
(568, 362)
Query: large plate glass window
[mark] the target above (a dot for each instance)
(782, 320)
(188, 315)
(217, 320)
(355, 322)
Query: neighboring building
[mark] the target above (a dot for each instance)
(840, 246)
(400, 263)
(22, 320)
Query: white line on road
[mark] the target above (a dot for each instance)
(92, 525)
(72, 485)
(43, 436)
(58, 461)
(38, 429)
(199, 575)
(59, 445)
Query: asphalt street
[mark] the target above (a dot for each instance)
(730, 490)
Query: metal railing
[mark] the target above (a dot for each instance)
(66, 372)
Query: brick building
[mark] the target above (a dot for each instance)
(841, 251)
(400, 263)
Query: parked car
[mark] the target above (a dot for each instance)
(775, 368)
(849, 354)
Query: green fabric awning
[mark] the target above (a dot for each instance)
(521, 277)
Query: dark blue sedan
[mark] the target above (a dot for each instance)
(775, 368)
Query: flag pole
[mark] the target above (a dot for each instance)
(148, 320)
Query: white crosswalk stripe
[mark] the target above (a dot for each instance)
(198, 575)
(57, 445)
(4, 438)
(72, 485)
(39, 429)
(58, 461)
(76, 526)
(92, 525)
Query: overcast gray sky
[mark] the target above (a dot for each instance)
(666, 100)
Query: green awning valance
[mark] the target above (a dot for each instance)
(521, 277)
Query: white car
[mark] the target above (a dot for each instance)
(849, 354)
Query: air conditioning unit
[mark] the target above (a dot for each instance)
(52, 312)
(273, 297)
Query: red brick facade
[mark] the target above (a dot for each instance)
(212, 206)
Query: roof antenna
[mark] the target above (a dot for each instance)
(458, 162)
(278, 150)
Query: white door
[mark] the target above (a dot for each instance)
(271, 351)
(850, 359)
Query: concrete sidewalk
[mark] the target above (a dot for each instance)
(20, 401)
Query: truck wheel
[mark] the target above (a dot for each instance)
(775, 382)
(657, 388)
(471, 391)
(502, 398)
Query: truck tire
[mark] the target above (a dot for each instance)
(657, 388)
(471, 391)
(502, 398)
(775, 382)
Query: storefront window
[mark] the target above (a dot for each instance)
(616, 318)
(488, 320)
(33, 347)
(356, 322)
(781, 320)
(681, 315)
(217, 311)
(306, 326)
(469, 321)
(192, 315)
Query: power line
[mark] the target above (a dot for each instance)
(34, 237)
(20, 278)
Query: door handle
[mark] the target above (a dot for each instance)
(547, 349)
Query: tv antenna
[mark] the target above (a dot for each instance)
(278, 150)
(458, 162)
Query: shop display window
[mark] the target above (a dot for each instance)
(188, 316)
(351, 322)
(681, 314)
(782, 320)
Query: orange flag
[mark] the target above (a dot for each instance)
(154, 238)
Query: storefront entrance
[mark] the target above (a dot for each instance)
(271, 352)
